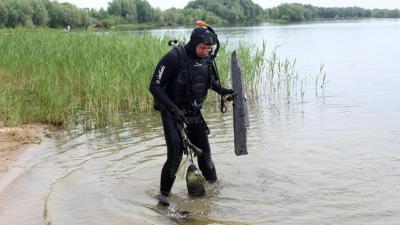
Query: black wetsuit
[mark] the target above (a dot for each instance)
(167, 89)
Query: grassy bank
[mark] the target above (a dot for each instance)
(89, 78)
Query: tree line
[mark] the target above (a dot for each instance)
(296, 12)
(217, 12)
(41, 13)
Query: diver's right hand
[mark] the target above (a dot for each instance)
(179, 115)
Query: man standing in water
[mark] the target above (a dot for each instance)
(179, 85)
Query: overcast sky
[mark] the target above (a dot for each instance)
(165, 4)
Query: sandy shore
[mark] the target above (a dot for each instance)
(14, 142)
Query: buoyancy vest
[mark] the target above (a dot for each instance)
(192, 81)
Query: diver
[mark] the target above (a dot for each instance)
(179, 85)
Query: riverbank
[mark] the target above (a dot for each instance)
(15, 144)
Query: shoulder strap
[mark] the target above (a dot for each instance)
(183, 57)
(182, 54)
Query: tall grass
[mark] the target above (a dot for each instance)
(50, 76)
(269, 76)
(97, 79)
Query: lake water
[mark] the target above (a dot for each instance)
(330, 159)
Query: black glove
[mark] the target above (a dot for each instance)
(228, 94)
(226, 91)
(179, 115)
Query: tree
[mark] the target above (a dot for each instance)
(144, 11)
(84, 20)
(170, 16)
(65, 14)
(233, 11)
(53, 10)
(3, 14)
(158, 16)
(19, 12)
(40, 15)
(111, 21)
(394, 13)
(290, 12)
(101, 14)
(125, 8)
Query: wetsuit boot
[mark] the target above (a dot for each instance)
(162, 199)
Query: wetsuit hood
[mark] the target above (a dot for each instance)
(191, 50)
(200, 34)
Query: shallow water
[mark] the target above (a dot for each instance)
(332, 159)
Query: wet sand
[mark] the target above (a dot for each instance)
(15, 144)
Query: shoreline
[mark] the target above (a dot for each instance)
(17, 146)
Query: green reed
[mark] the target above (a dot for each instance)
(96, 79)
(51, 76)
(266, 75)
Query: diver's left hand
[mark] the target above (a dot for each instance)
(230, 97)
(226, 91)
(228, 94)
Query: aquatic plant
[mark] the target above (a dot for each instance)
(91, 78)
(270, 77)
(95, 79)
(320, 80)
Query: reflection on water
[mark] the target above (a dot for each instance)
(322, 161)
